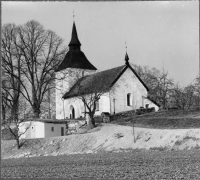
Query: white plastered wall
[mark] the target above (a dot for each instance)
(151, 104)
(56, 131)
(41, 130)
(104, 104)
(78, 105)
(62, 86)
(36, 130)
(127, 83)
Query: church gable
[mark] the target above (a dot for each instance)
(134, 72)
(127, 92)
(129, 78)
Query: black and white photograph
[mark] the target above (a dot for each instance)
(100, 90)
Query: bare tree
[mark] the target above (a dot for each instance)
(48, 106)
(179, 97)
(183, 97)
(11, 67)
(158, 82)
(197, 92)
(190, 95)
(11, 83)
(13, 125)
(89, 90)
(150, 77)
(163, 89)
(40, 51)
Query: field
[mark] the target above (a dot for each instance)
(134, 164)
(163, 133)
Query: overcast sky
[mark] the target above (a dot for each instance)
(157, 33)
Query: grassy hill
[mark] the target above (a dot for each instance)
(161, 119)
(6, 134)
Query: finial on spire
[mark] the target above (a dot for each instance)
(126, 56)
(73, 16)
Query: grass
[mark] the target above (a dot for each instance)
(163, 120)
(161, 123)
(135, 164)
(6, 134)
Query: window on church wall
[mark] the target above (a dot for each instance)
(129, 99)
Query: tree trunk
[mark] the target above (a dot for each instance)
(36, 113)
(18, 143)
(91, 123)
(36, 110)
(14, 111)
(49, 103)
(3, 112)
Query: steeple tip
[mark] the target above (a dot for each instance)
(74, 43)
(126, 59)
(126, 56)
(73, 17)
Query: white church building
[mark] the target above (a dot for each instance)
(123, 89)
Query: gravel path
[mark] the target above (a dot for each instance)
(135, 164)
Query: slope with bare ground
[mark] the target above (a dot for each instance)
(106, 137)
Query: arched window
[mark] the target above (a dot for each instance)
(72, 112)
(129, 99)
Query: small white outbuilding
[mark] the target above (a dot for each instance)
(43, 128)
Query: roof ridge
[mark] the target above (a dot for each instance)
(104, 71)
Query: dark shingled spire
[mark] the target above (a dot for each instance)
(75, 58)
(74, 43)
(126, 56)
(126, 59)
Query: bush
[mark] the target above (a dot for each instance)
(143, 110)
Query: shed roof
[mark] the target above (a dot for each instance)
(55, 121)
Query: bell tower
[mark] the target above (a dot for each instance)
(74, 64)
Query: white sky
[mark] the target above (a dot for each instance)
(157, 32)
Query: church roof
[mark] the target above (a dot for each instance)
(75, 58)
(99, 82)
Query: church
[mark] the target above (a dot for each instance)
(122, 89)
